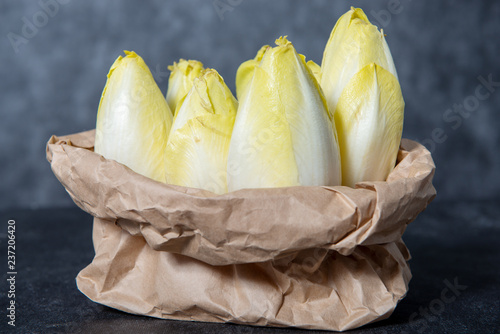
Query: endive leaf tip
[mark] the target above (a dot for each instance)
(130, 53)
(172, 67)
(358, 11)
(133, 57)
(283, 41)
(261, 52)
(120, 59)
(359, 14)
(186, 66)
(209, 85)
(210, 73)
(208, 70)
(114, 66)
(175, 65)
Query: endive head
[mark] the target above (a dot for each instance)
(354, 43)
(181, 80)
(196, 152)
(133, 119)
(369, 120)
(283, 135)
(245, 71)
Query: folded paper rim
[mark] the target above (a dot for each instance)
(248, 225)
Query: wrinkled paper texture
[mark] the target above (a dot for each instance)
(310, 257)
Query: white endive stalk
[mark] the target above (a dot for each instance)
(354, 43)
(197, 148)
(181, 80)
(134, 119)
(283, 135)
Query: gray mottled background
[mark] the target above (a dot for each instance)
(52, 76)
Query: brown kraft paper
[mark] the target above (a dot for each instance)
(312, 257)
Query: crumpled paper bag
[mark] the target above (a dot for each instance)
(311, 257)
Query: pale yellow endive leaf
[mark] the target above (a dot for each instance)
(245, 71)
(315, 70)
(354, 43)
(181, 78)
(134, 120)
(369, 120)
(283, 134)
(197, 148)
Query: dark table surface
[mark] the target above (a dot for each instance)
(452, 243)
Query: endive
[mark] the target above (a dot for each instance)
(180, 80)
(362, 90)
(283, 134)
(196, 152)
(369, 120)
(133, 120)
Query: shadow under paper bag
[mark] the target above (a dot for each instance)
(311, 257)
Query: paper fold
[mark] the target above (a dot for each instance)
(250, 225)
